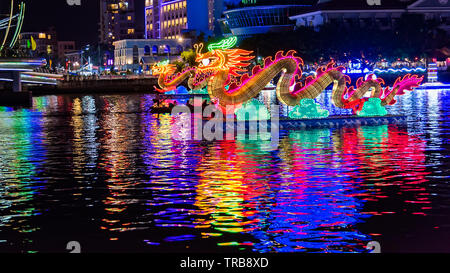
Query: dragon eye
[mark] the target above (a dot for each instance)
(206, 62)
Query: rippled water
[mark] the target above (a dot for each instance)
(103, 171)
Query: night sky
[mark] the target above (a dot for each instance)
(72, 23)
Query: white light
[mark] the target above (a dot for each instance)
(205, 62)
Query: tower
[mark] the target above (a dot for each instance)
(117, 21)
(166, 19)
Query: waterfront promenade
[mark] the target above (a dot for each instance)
(99, 84)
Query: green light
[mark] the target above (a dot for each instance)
(228, 244)
(19, 25)
(9, 25)
(163, 63)
(252, 110)
(308, 109)
(203, 91)
(224, 44)
(372, 107)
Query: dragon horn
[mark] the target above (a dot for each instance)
(198, 48)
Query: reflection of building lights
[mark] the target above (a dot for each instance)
(432, 72)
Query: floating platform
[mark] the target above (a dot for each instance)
(330, 122)
(341, 121)
(179, 96)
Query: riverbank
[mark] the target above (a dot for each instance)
(93, 85)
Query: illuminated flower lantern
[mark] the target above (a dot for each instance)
(372, 108)
(308, 108)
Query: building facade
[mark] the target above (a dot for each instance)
(133, 54)
(65, 47)
(252, 17)
(383, 16)
(167, 19)
(46, 42)
(259, 19)
(73, 60)
(118, 21)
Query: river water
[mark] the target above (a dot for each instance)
(103, 171)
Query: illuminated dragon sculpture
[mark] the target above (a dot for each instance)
(168, 79)
(231, 84)
(224, 70)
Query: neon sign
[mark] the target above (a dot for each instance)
(224, 44)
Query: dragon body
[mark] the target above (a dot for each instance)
(225, 72)
(168, 79)
(228, 68)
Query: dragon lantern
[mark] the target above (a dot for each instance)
(224, 70)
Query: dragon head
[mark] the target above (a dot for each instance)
(163, 68)
(220, 57)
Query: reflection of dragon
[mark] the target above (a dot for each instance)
(168, 79)
(227, 67)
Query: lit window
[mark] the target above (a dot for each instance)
(42, 35)
(131, 31)
(129, 18)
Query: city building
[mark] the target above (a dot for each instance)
(64, 47)
(263, 16)
(168, 19)
(135, 54)
(73, 60)
(365, 13)
(252, 17)
(89, 59)
(47, 46)
(46, 43)
(118, 21)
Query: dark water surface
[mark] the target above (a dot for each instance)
(104, 171)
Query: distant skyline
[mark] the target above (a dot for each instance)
(72, 23)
